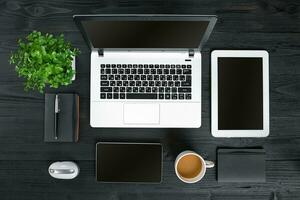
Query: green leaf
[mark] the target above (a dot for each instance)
(44, 59)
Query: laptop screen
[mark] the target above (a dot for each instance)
(132, 33)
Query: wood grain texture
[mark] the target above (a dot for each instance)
(273, 25)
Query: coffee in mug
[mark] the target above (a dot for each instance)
(190, 167)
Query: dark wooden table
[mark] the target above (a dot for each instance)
(273, 25)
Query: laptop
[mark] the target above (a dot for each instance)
(145, 69)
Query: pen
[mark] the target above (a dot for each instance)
(56, 112)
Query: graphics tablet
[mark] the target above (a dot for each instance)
(240, 93)
(128, 162)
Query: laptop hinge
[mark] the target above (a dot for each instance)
(100, 52)
(191, 52)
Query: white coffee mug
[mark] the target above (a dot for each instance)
(205, 164)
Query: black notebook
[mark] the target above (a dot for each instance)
(61, 121)
(241, 165)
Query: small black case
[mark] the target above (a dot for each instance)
(67, 120)
(241, 165)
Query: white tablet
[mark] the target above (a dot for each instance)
(240, 93)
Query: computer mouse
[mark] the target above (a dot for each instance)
(64, 170)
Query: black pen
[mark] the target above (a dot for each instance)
(56, 112)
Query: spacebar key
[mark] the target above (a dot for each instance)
(141, 96)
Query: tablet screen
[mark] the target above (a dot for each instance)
(240, 93)
(129, 162)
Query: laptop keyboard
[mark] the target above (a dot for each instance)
(146, 81)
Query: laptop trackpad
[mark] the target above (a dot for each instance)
(141, 113)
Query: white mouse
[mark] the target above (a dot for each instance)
(64, 170)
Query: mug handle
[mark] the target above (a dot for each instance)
(209, 164)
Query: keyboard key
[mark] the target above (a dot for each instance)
(113, 66)
(129, 89)
(112, 83)
(162, 77)
(141, 89)
(122, 95)
(104, 83)
(141, 66)
(164, 83)
(150, 77)
(151, 83)
(102, 65)
(107, 65)
(108, 71)
(172, 71)
(130, 66)
(174, 89)
(116, 95)
(179, 71)
(102, 71)
(141, 96)
(145, 83)
(124, 66)
(143, 77)
(127, 71)
(118, 66)
(178, 66)
(122, 89)
(157, 83)
(132, 83)
(116, 89)
(140, 71)
(177, 83)
(138, 83)
(146, 71)
(156, 66)
(167, 96)
(106, 89)
(119, 83)
(103, 77)
(148, 89)
(151, 66)
(154, 89)
(182, 77)
(135, 89)
(161, 89)
(117, 77)
(168, 66)
(171, 83)
(109, 95)
(161, 66)
(183, 66)
(169, 77)
(153, 71)
(167, 89)
(181, 96)
(175, 77)
(121, 71)
(166, 71)
(187, 71)
(114, 71)
(137, 77)
(125, 83)
(146, 66)
(134, 66)
(111, 77)
(188, 83)
(102, 96)
(130, 77)
(172, 66)
(124, 77)
(188, 96)
(133, 71)
(188, 78)
(174, 96)
(156, 77)
(189, 66)
(161, 96)
(185, 90)
(159, 71)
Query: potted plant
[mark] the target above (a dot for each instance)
(43, 59)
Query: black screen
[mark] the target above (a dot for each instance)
(145, 34)
(129, 162)
(240, 93)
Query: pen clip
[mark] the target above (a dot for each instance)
(56, 104)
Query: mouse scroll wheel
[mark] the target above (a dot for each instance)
(61, 171)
